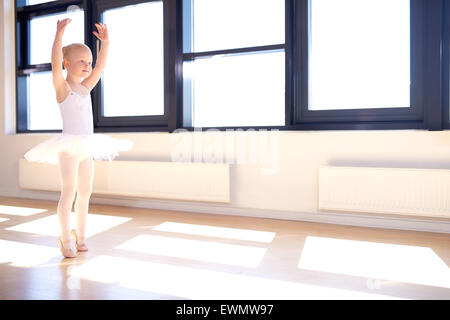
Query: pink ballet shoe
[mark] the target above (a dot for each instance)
(80, 247)
(66, 252)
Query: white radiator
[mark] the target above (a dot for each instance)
(147, 179)
(418, 192)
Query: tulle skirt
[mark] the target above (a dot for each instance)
(99, 146)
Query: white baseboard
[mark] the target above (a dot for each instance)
(337, 218)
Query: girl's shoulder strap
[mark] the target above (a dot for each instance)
(70, 88)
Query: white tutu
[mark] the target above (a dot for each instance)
(99, 146)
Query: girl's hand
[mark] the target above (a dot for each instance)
(102, 32)
(61, 25)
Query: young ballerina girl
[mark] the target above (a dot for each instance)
(76, 148)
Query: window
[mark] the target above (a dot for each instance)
(366, 64)
(134, 76)
(36, 100)
(43, 108)
(364, 60)
(41, 46)
(233, 63)
(130, 96)
(43, 113)
(225, 24)
(21, 3)
(284, 64)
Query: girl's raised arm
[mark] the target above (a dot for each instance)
(58, 79)
(102, 34)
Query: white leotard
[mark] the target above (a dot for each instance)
(78, 138)
(76, 113)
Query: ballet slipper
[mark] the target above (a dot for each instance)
(66, 252)
(80, 247)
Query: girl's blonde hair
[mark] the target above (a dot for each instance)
(69, 48)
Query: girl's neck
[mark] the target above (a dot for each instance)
(72, 79)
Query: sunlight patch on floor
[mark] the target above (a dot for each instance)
(20, 211)
(193, 283)
(20, 254)
(207, 251)
(49, 226)
(402, 263)
(213, 231)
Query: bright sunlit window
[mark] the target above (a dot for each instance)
(42, 34)
(359, 54)
(225, 24)
(44, 110)
(21, 3)
(134, 76)
(234, 89)
(284, 64)
(31, 2)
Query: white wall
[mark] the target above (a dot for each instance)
(283, 187)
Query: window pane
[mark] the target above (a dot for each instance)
(42, 34)
(235, 90)
(134, 76)
(22, 3)
(44, 110)
(359, 54)
(226, 24)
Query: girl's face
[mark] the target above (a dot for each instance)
(79, 63)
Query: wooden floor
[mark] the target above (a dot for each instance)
(153, 254)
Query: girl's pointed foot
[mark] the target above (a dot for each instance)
(80, 246)
(66, 252)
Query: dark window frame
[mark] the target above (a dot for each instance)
(133, 123)
(23, 15)
(189, 56)
(92, 13)
(347, 118)
(445, 64)
(429, 104)
(431, 23)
